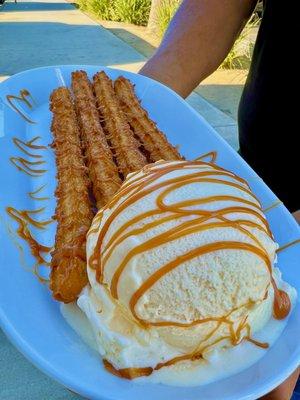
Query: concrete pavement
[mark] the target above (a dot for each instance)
(52, 32)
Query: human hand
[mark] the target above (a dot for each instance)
(296, 215)
(285, 390)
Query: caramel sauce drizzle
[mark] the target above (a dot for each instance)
(24, 93)
(25, 166)
(32, 194)
(24, 219)
(275, 204)
(127, 373)
(24, 146)
(234, 338)
(211, 154)
(287, 245)
(282, 302)
(140, 186)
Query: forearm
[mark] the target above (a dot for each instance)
(196, 42)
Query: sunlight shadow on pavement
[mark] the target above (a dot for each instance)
(35, 44)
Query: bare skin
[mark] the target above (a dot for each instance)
(297, 216)
(198, 39)
(284, 391)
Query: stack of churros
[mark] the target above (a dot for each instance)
(101, 133)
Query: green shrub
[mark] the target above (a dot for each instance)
(164, 14)
(239, 58)
(132, 11)
(82, 4)
(102, 8)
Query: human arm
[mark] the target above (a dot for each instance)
(198, 39)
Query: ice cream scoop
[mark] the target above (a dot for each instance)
(180, 263)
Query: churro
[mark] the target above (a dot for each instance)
(73, 211)
(154, 141)
(96, 145)
(103, 173)
(125, 146)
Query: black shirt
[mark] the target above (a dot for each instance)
(268, 112)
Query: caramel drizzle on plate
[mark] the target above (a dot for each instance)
(30, 144)
(287, 245)
(138, 187)
(24, 219)
(32, 194)
(25, 165)
(24, 93)
(211, 154)
(275, 204)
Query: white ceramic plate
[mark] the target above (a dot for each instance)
(29, 316)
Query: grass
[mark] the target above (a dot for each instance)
(240, 55)
(131, 11)
(165, 13)
(102, 8)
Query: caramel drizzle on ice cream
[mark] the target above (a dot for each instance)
(234, 337)
(138, 187)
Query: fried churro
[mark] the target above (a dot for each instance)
(103, 172)
(73, 211)
(154, 141)
(125, 146)
(96, 155)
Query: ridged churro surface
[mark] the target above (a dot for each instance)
(154, 141)
(98, 140)
(126, 147)
(102, 170)
(73, 211)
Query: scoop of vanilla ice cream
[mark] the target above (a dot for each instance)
(203, 301)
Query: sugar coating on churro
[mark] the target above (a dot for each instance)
(154, 141)
(73, 211)
(103, 172)
(85, 159)
(126, 147)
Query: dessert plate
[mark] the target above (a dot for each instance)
(32, 319)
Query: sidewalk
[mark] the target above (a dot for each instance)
(52, 32)
(39, 33)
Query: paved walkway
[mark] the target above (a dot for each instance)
(51, 32)
(54, 32)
